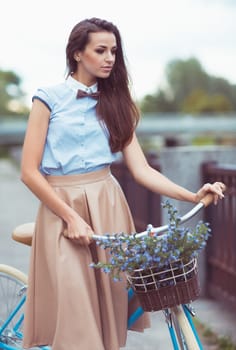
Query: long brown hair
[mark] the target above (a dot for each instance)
(115, 105)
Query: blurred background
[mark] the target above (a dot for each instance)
(181, 57)
(180, 54)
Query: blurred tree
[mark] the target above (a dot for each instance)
(149, 104)
(158, 103)
(183, 77)
(199, 101)
(222, 86)
(191, 89)
(11, 94)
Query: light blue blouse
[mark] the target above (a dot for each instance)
(76, 141)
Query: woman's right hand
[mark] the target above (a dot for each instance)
(78, 231)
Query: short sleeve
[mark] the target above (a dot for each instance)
(43, 95)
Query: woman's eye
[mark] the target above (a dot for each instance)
(100, 51)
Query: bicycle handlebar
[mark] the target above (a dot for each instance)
(204, 202)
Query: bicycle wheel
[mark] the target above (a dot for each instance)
(12, 291)
(183, 330)
(13, 285)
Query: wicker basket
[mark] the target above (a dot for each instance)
(161, 289)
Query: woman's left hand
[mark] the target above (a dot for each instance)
(217, 189)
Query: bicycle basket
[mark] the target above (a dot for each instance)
(158, 289)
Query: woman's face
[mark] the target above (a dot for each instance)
(98, 57)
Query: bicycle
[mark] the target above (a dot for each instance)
(13, 287)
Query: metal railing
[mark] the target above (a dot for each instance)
(221, 248)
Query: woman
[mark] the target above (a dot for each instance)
(74, 132)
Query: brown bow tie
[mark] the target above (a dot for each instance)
(82, 93)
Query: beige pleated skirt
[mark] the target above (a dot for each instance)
(71, 306)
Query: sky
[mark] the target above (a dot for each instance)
(34, 34)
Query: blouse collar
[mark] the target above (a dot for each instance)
(75, 85)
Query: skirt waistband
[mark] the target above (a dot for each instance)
(79, 179)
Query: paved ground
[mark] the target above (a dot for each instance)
(18, 205)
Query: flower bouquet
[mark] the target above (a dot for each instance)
(162, 270)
